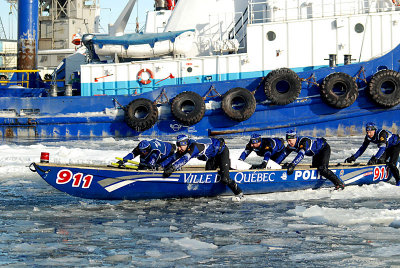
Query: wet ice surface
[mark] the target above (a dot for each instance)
(315, 228)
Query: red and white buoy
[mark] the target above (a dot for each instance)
(44, 157)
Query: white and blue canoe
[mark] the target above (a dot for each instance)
(111, 183)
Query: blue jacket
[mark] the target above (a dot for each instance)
(159, 152)
(304, 146)
(268, 148)
(202, 149)
(383, 138)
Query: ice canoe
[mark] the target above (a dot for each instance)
(109, 183)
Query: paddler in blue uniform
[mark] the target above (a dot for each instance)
(269, 148)
(153, 154)
(318, 148)
(388, 152)
(214, 151)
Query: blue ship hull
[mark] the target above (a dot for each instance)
(101, 116)
(108, 183)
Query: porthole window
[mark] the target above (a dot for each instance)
(271, 36)
(359, 28)
(189, 69)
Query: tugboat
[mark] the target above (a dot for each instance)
(223, 67)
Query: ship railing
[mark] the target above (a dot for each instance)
(262, 11)
(24, 79)
(239, 29)
(226, 26)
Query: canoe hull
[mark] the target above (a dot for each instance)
(108, 183)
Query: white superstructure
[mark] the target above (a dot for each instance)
(236, 39)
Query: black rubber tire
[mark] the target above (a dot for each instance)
(141, 114)
(278, 78)
(48, 77)
(244, 96)
(347, 85)
(3, 77)
(374, 89)
(188, 98)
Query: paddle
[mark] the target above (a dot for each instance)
(135, 165)
(129, 161)
(124, 166)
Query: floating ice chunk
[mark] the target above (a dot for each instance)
(320, 256)
(383, 252)
(220, 226)
(71, 261)
(194, 244)
(341, 216)
(25, 247)
(173, 256)
(153, 253)
(245, 249)
(117, 231)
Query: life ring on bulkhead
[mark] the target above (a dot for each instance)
(238, 104)
(188, 108)
(339, 90)
(145, 81)
(282, 86)
(141, 114)
(384, 88)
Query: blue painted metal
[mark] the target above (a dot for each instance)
(28, 21)
(28, 18)
(307, 113)
(112, 183)
(88, 116)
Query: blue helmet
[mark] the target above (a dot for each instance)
(144, 145)
(291, 134)
(182, 140)
(255, 138)
(370, 126)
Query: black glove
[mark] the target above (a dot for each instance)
(290, 169)
(121, 163)
(285, 166)
(350, 159)
(260, 166)
(168, 171)
(373, 161)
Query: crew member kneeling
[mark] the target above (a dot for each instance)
(318, 148)
(214, 151)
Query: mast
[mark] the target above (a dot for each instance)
(28, 21)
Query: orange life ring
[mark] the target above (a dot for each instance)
(141, 80)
